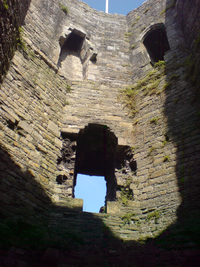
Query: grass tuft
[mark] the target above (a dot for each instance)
(136, 20)
(166, 158)
(167, 85)
(127, 217)
(64, 8)
(172, 5)
(5, 4)
(150, 151)
(174, 77)
(154, 120)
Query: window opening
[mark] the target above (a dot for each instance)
(70, 55)
(156, 43)
(92, 189)
(95, 155)
(73, 42)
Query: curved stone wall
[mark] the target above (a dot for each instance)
(188, 14)
(12, 14)
(43, 109)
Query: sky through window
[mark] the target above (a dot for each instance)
(92, 189)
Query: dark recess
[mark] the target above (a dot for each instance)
(73, 43)
(157, 45)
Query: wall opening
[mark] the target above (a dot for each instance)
(156, 43)
(73, 43)
(95, 156)
(69, 62)
(76, 52)
(92, 189)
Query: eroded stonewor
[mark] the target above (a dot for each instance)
(100, 94)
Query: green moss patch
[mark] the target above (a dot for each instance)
(148, 85)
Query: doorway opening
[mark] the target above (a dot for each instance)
(95, 156)
(92, 189)
(156, 42)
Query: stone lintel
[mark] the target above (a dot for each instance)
(70, 130)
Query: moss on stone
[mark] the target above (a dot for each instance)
(64, 8)
(5, 4)
(167, 85)
(136, 20)
(127, 218)
(153, 215)
(172, 5)
(154, 120)
(148, 85)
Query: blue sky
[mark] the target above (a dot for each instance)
(115, 6)
(92, 189)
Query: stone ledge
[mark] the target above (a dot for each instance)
(75, 204)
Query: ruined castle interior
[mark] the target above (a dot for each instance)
(85, 92)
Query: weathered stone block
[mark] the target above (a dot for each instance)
(113, 207)
(58, 142)
(25, 126)
(43, 179)
(134, 204)
(53, 128)
(11, 113)
(147, 189)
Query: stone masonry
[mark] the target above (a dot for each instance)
(62, 106)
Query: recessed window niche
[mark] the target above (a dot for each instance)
(156, 42)
(69, 62)
(75, 53)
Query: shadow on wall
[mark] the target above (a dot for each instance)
(49, 235)
(12, 14)
(41, 233)
(182, 112)
(181, 109)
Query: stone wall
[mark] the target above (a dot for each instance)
(32, 99)
(188, 14)
(154, 186)
(43, 109)
(12, 14)
(139, 22)
(93, 101)
(164, 120)
(104, 33)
